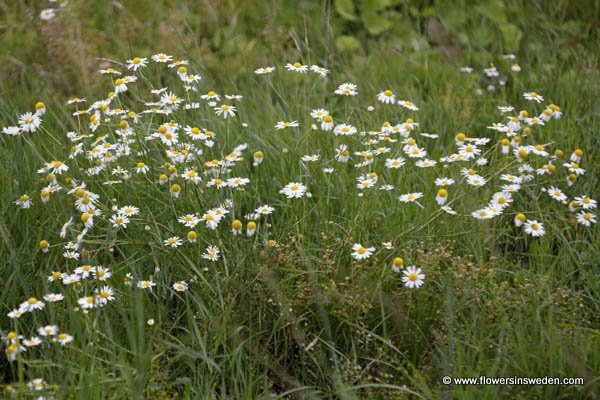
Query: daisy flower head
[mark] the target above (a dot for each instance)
(533, 96)
(286, 124)
(319, 70)
(120, 86)
(476, 180)
(175, 190)
(264, 210)
(505, 109)
(236, 227)
(225, 111)
(310, 158)
(180, 286)
(212, 220)
(173, 242)
(141, 168)
(37, 384)
(425, 163)
(408, 104)
(129, 211)
(397, 264)
(534, 228)
(109, 71)
(576, 155)
(54, 297)
(361, 253)
(327, 123)
(87, 302)
(410, 197)
(344, 130)
(264, 70)
(211, 253)
(574, 168)
(48, 330)
(298, 67)
(319, 114)
(31, 304)
(162, 58)
(189, 220)
(211, 95)
(413, 277)
(146, 284)
(586, 203)
(520, 219)
(448, 210)
(63, 338)
(101, 273)
(501, 200)
(586, 218)
(444, 181)
(47, 14)
(556, 194)
(484, 213)
(32, 342)
(347, 89)
(24, 201)
(442, 196)
(394, 163)
(11, 130)
(119, 220)
(29, 122)
(105, 294)
(386, 97)
(136, 63)
(294, 190)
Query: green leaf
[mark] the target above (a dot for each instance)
(494, 10)
(376, 23)
(347, 43)
(346, 9)
(374, 5)
(512, 36)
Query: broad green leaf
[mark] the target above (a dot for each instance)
(512, 36)
(347, 43)
(373, 5)
(346, 9)
(376, 23)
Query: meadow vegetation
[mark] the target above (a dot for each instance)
(279, 199)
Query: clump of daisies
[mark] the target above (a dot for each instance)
(209, 195)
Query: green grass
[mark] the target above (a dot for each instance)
(301, 318)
